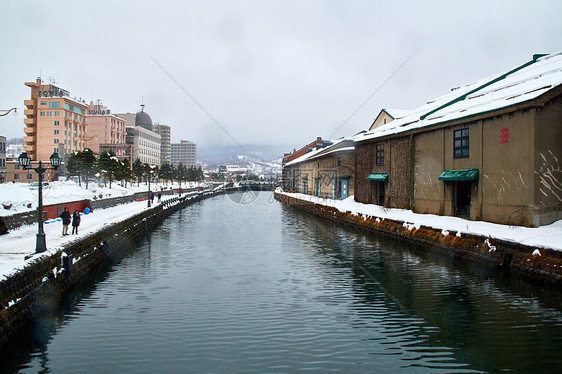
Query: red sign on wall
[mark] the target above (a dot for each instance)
(504, 135)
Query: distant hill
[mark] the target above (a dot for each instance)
(213, 155)
(14, 147)
(259, 159)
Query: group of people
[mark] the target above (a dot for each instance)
(66, 220)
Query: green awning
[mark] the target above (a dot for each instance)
(378, 177)
(459, 175)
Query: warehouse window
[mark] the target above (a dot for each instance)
(461, 143)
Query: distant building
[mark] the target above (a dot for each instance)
(326, 172)
(54, 122)
(15, 173)
(145, 145)
(127, 117)
(141, 141)
(105, 130)
(317, 144)
(2, 159)
(165, 133)
(184, 152)
(143, 120)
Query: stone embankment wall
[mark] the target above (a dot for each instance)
(35, 288)
(490, 253)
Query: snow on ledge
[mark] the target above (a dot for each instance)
(549, 236)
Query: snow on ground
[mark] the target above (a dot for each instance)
(21, 197)
(549, 236)
(20, 242)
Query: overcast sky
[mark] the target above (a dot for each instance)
(264, 72)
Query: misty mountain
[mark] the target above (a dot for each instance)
(229, 154)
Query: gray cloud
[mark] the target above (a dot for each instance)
(268, 72)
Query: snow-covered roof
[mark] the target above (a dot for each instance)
(506, 89)
(336, 146)
(397, 113)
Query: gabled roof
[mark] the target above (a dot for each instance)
(515, 86)
(383, 115)
(339, 145)
(397, 113)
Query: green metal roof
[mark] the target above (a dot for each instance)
(463, 97)
(378, 177)
(459, 175)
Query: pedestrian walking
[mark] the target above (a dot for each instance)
(159, 196)
(75, 222)
(152, 197)
(65, 216)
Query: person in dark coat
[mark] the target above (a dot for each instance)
(65, 216)
(75, 222)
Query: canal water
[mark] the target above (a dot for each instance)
(231, 285)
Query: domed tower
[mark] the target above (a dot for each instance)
(142, 119)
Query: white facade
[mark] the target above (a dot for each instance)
(146, 145)
(184, 152)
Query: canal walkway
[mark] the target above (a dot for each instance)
(17, 248)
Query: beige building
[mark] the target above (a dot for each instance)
(489, 150)
(323, 171)
(15, 173)
(387, 115)
(54, 122)
(105, 129)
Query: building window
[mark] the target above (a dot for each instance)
(43, 102)
(29, 176)
(54, 104)
(56, 124)
(56, 132)
(42, 114)
(380, 154)
(57, 113)
(339, 161)
(461, 143)
(49, 114)
(16, 176)
(16, 166)
(56, 141)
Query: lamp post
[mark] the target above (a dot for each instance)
(25, 162)
(148, 172)
(149, 196)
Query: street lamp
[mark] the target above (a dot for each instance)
(148, 172)
(8, 111)
(25, 162)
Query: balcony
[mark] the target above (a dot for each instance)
(29, 131)
(30, 113)
(29, 121)
(30, 150)
(28, 140)
(29, 103)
